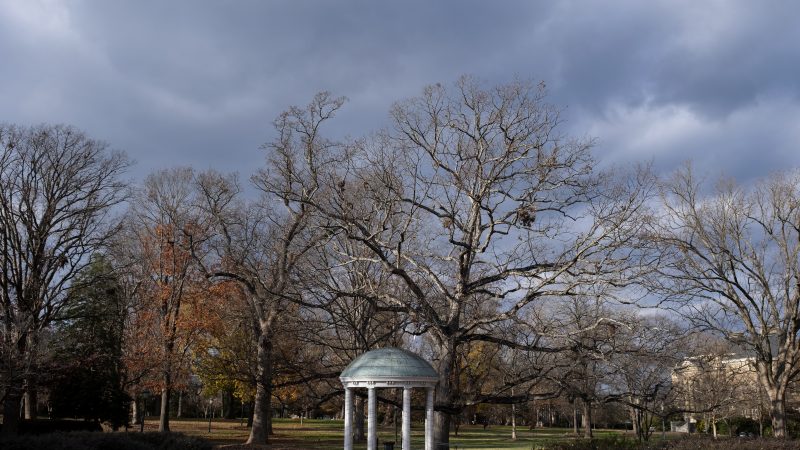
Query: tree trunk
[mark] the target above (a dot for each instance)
(513, 420)
(777, 399)
(166, 390)
(388, 412)
(180, 404)
(163, 420)
(228, 410)
(587, 418)
(714, 426)
(262, 411)
(777, 412)
(444, 393)
(358, 436)
(574, 420)
(135, 412)
(30, 398)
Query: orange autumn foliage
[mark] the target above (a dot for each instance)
(171, 309)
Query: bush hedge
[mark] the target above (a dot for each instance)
(105, 441)
(693, 443)
(51, 426)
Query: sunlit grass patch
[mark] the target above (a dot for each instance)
(328, 434)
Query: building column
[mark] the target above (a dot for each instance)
(407, 418)
(348, 418)
(429, 419)
(372, 420)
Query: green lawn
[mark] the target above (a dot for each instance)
(328, 435)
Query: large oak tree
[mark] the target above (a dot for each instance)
(476, 204)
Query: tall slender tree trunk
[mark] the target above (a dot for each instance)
(228, 409)
(634, 422)
(387, 414)
(169, 351)
(135, 412)
(31, 383)
(359, 435)
(30, 399)
(444, 392)
(714, 425)
(262, 411)
(513, 419)
(587, 418)
(166, 391)
(180, 405)
(574, 419)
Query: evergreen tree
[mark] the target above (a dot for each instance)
(90, 381)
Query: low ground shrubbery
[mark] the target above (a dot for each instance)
(609, 443)
(734, 443)
(693, 443)
(106, 441)
(52, 426)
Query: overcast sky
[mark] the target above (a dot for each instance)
(198, 82)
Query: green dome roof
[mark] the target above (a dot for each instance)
(389, 362)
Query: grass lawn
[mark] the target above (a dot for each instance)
(328, 435)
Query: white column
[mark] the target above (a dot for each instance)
(407, 418)
(429, 420)
(372, 420)
(348, 418)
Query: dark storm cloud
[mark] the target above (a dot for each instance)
(199, 82)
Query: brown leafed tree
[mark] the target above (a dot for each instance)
(57, 190)
(160, 229)
(731, 263)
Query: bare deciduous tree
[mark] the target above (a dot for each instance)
(479, 208)
(731, 263)
(589, 332)
(640, 369)
(57, 189)
(347, 320)
(717, 382)
(259, 245)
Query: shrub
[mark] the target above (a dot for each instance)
(172, 441)
(52, 426)
(608, 443)
(688, 443)
(703, 443)
(744, 425)
(105, 441)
